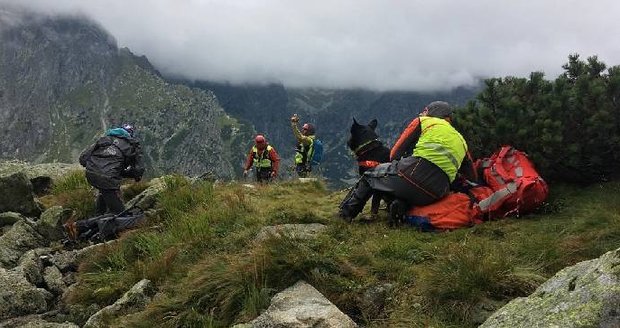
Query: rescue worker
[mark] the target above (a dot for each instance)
(304, 149)
(425, 160)
(264, 158)
(114, 156)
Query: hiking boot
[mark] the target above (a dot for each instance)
(71, 230)
(398, 208)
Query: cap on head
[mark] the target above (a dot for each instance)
(260, 139)
(308, 128)
(438, 109)
(129, 128)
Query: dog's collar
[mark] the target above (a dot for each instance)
(363, 145)
(367, 164)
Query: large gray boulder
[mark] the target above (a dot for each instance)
(21, 238)
(301, 305)
(586, 294)
(35, 321)
(146, 199)
(50, 224)
(18, 297)
(135, 300)
(16, 195)
(41, 176)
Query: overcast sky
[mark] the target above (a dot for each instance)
(375, 44)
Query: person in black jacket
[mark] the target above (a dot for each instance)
(115, 156)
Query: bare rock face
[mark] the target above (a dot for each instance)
(586, 294)
(19, 297)
(301, 305)
(64, 81)
(16, 195)
(21, 238)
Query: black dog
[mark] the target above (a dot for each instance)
(369, 152)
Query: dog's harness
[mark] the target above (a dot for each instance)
(358, 152)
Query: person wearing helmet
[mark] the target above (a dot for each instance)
(111, 158)
(303, 151)
(264, 158)
(425, 160)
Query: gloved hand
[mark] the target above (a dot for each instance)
(295, 118)
(273, 174)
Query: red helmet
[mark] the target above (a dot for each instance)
(260, 140)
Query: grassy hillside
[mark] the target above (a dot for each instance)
(201, 253)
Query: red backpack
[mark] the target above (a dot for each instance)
(517, 187)
(512, 187)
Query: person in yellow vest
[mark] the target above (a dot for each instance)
(304, 149)
(264, 158)
(425, 160)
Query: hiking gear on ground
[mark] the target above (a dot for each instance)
(512, 187)
(70, 230)
(441, 144)
(456, 210)
(129, 128)
(510, 172)
(108, 226)
(438, 109)
(109, 199)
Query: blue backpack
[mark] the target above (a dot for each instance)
(317, 152)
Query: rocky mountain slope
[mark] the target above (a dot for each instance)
(63, 81)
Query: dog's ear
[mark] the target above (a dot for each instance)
(373, 124)
(355, 121)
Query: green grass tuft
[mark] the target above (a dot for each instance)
(200, 250)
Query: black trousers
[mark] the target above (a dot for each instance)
(414, 180)
(303, 170)
(263, 174)
(109, 199)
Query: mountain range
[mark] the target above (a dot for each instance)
(64, 80)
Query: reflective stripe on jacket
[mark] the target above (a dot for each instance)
(304, 153)
(441, 144)
(262, 160)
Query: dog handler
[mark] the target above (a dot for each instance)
(425, 161)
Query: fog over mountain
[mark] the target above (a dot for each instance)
(379, 45)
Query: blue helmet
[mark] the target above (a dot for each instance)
(129, 128)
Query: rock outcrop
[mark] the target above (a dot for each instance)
(16, 195)
(63, 81)
(301, 306)
(586, 294)
(132, 301)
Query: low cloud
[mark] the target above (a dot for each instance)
(381, 45)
